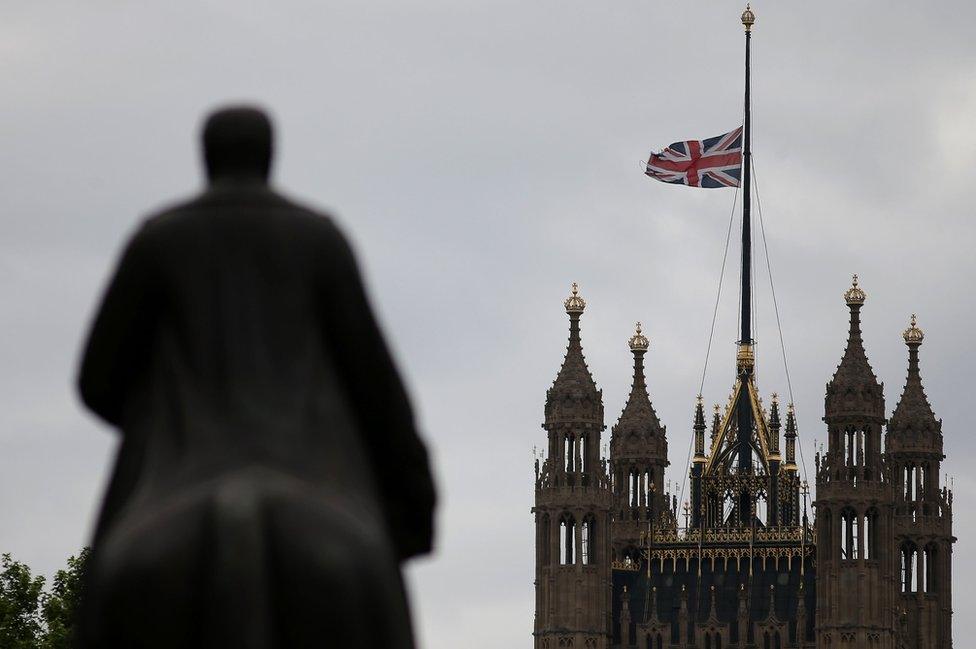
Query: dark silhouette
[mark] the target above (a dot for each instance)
(270, 478)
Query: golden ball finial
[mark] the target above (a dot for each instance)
(855, 294)
(748, 18)
(913, 335)
(574, 303)
(639, 342)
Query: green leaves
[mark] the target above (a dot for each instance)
(31, 618)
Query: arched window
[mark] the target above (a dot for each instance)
(660, 641)
(911, 482)
(634, 496)
(545, 540)
(826, 534)
(767, 644)
(849, 534)
(567, 539)
(568, 452)
(776, 640)
(588, 541)
(909, 568)
(868, 452)
(871, 534)
(931, 567)
(708, 640)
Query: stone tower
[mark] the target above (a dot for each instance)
(855, 563)
(922, 513)
(572, 508)
(638, 457)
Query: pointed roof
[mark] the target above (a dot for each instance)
(638, 430)
(854, 390)
(913, 419)
(574, 395)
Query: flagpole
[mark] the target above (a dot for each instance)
(745, 356)
(746, 338)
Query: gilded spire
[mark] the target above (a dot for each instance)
(699, 428)
(716, 422)
(574, 394)
(774, 425)
(913, 416)
(774, 412)
(638, 427)
(790, 437)
(854, 389)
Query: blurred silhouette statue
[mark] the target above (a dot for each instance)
(269, 480)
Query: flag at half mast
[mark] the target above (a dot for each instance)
(712, 162)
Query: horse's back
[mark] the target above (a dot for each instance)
(253, 560)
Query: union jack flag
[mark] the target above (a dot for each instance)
(714, 162)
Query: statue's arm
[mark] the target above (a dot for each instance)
(117, 345)
(399, 457)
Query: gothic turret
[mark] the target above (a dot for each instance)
(913, 425)
(854, 391)
(574, 396)
(638, 457)
(854, 520)
(923, 512)
(572, 507)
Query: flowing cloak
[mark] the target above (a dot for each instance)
(269, 477)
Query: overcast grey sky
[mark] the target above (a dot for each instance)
(482, 156)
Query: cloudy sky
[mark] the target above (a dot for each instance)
(483, 155)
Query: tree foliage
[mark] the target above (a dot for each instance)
(32, 618)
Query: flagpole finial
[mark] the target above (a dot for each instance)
(748, 18)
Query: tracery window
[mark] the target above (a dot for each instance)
(826, 536)
(587, 549)
(871, 534)
(931, 555)
(909, 568)
(634, 482)
(567, 539)
(849, 534)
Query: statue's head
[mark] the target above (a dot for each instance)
(237, 144)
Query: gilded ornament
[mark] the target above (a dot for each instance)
(639, 342)
(574, 303)
(913, 335)
(855, 294)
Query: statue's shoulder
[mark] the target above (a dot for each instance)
(285, 211)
